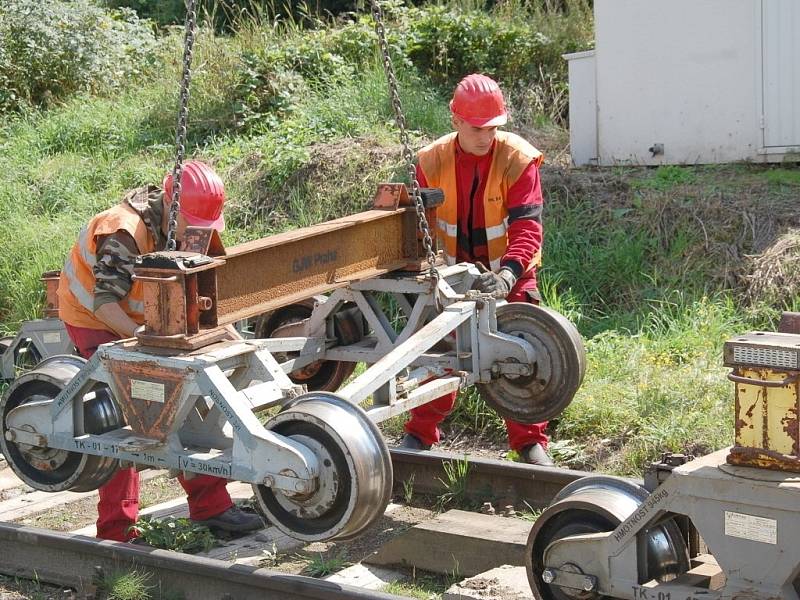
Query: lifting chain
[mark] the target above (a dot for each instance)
(408, 156)
(183, 116)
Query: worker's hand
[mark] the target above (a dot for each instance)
(498, 284)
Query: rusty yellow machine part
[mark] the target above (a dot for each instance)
(766, 373)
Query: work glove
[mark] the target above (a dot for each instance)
(498, 284)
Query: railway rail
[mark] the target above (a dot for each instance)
(75, 561)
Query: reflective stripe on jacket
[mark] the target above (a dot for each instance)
(511, 156)
(77, 283)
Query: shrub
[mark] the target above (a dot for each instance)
(521, 45)
(276, 72)
(228, 14)
(447, 44)
(443, 43)
(266, 90)
(163, 12)
(49, 50)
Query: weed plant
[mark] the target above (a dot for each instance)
(320, 565)
(127, 586)
(455, 484)
(178, 534)
(135, 585)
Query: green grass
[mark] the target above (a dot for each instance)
(667, 177)
(422, 585)
(783, 177)
(423, 592)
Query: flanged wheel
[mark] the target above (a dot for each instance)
(594, 505)
(355, 480)
(558, 370)
(321, 375)
(50, 469)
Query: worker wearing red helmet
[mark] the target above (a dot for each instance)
(491, 215)
(99, 302)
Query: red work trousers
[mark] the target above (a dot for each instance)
(425, 419)
(118, 508)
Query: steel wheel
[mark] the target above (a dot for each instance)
(558, 371)
(355, 481)
(594, 505)
(322, 375)
(50, 469)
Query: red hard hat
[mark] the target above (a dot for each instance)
(202, 195)
(479, 101)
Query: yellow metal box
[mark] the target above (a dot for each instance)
(765, 372)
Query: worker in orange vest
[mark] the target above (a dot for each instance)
(99, 302)
(491, 215)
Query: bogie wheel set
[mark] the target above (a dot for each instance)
(319, 466)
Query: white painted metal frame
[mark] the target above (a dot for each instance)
(424, 355)
(758, 553)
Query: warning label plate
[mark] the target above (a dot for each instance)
(51, 337)
(749, 527)
(147, 390)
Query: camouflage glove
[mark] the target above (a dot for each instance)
(497, 284)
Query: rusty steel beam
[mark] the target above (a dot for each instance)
(271, 272)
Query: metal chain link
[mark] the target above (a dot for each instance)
(408, 156)
(183, 117)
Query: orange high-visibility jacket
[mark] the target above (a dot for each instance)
(76, 285)
(511, 156)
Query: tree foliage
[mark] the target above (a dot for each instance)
(49, 50)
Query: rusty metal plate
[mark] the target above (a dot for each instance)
(790, 323)
(202, 240)
(391, 196)
(766, 412)
(148, 394)
(50, 280)
(761, 458)
(265, 274)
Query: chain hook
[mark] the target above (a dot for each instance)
(408, 156)
(183, 117)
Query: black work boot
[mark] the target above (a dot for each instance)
(233, 520)
(536, 455)
(412, 442)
